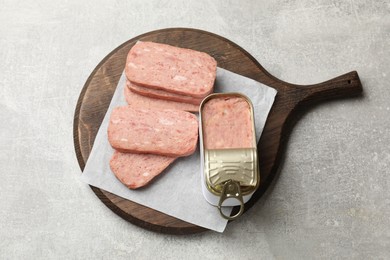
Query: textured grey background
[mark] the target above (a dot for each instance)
(332, 199)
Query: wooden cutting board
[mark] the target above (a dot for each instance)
(290, 102)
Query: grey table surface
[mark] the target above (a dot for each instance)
(332, 198)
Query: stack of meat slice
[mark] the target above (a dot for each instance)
(166, 72)
(164, 82)
(148, 140)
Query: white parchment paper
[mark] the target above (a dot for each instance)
(177, 191)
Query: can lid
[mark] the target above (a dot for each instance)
(238, 165)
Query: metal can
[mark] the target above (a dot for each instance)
(228, 150)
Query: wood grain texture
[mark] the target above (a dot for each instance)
(290, 102)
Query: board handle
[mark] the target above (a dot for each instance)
(346, 85)
(291, 101)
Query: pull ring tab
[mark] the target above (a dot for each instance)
(231, 190)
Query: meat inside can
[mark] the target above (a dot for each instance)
(227, 123)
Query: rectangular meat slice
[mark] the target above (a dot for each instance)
(139, 101)
(164, 132)
(137, 170)
(173, 69)
(227, 123)
(162, 94)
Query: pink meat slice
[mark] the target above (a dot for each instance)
(162, 94)
(139, 101)
(137, 170)
(226, 123)
(164, 132)
(173, 69)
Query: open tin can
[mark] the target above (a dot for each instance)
(228, 150)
